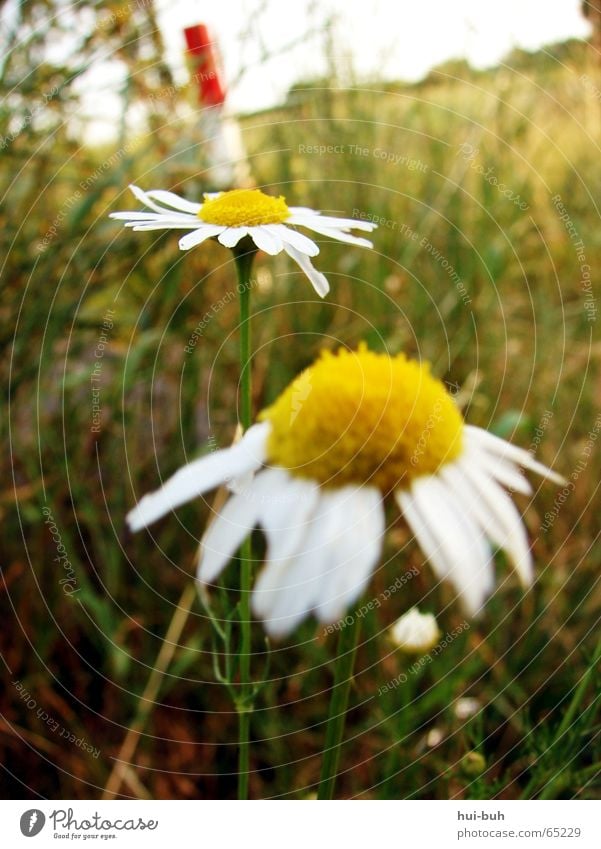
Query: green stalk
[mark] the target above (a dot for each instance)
(569, 718)
(348, 640)
(244, 260)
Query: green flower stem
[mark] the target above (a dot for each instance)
(244, 260)
(348, 640)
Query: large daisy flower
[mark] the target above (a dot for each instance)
(351, 430)
(231, 216)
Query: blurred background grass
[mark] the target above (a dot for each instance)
(87, 306)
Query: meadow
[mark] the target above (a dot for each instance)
(119, 361)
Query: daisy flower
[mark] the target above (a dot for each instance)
(246, 214)
(314, 472)
(415, 631)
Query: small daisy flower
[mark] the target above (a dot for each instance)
(351, 430)
(415, 631)
(466, 707)
(246, 213)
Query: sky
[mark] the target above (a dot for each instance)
(386, 39)
(378, 40)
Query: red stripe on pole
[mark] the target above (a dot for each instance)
(202, 56)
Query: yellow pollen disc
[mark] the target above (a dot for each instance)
(362, 417)
(244, 208)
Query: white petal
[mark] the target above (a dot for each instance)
(149, 217)
(139, 216)
(505, 517)
(203, 233)
(161, 225)
(165, 219)
(506, 451)
(470, 499)
(284, 516)
(331, 222)
(302, 210)
(297, 240)
(146, 200)
(319, 280)
(353, 553)
(224, 535)
(232, 524)
(201, 475)
(272, 229)
(230, 236)
(340, 235)
(287, 590)
(423, 533)
(265, 240)
(175, 201)
(274, 578)
(462, 552)
(502, 471)
(333, 566)
(241, 482)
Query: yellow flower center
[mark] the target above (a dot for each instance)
(362, 417)
(244, 208)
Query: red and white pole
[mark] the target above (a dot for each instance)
(227, 162)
